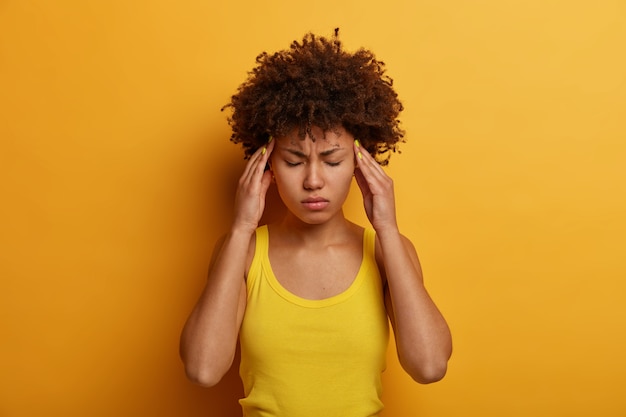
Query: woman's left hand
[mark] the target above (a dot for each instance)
(377, 189)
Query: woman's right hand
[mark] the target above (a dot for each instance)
(251, 190)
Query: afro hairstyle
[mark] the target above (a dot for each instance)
(316, 83)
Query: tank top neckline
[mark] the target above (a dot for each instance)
(263, 234)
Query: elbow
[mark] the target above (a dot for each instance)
(204, 367)
(426, 371)
(204, 376)
(430, 374)
(204, 370)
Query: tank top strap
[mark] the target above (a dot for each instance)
(369, 243)
(260, 254)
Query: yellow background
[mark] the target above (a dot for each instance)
(117, 176)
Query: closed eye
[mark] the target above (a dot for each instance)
(292, 164)
(333, 164)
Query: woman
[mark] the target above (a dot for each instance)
(309, 297)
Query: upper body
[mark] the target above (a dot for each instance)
(315, 252)
(303, 357)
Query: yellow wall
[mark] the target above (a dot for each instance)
(116, 177)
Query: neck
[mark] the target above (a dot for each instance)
(314, 234)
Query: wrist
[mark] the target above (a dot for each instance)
(390, 228)
(387, 232)
(242, 230)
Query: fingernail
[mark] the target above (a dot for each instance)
(360, 155)
(264, 150)
(270, 139)
(356, 142)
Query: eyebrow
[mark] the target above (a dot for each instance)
(301, 154)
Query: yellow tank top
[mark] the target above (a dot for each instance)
(313, 358)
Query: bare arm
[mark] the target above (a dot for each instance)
(209, 338)
(422, 335)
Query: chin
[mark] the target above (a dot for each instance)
(314, 219)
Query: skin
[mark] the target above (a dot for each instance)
(315, 253)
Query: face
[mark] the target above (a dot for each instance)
(313, 177)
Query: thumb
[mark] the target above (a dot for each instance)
(361, 182)
(266, 180)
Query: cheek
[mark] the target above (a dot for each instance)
(345, 178)
(342, 173)
(284, 180)
(349, 169)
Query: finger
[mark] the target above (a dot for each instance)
(270, 148)
(257, 162)
(266, 151)
(251, 164)
(372, 171)
(363, 157)
(362, 183)
(266, 180)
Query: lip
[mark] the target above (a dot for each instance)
(315, 203)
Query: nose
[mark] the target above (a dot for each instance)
(313, 179)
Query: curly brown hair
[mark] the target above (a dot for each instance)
(317, 83)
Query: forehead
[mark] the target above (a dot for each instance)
(320, 142)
